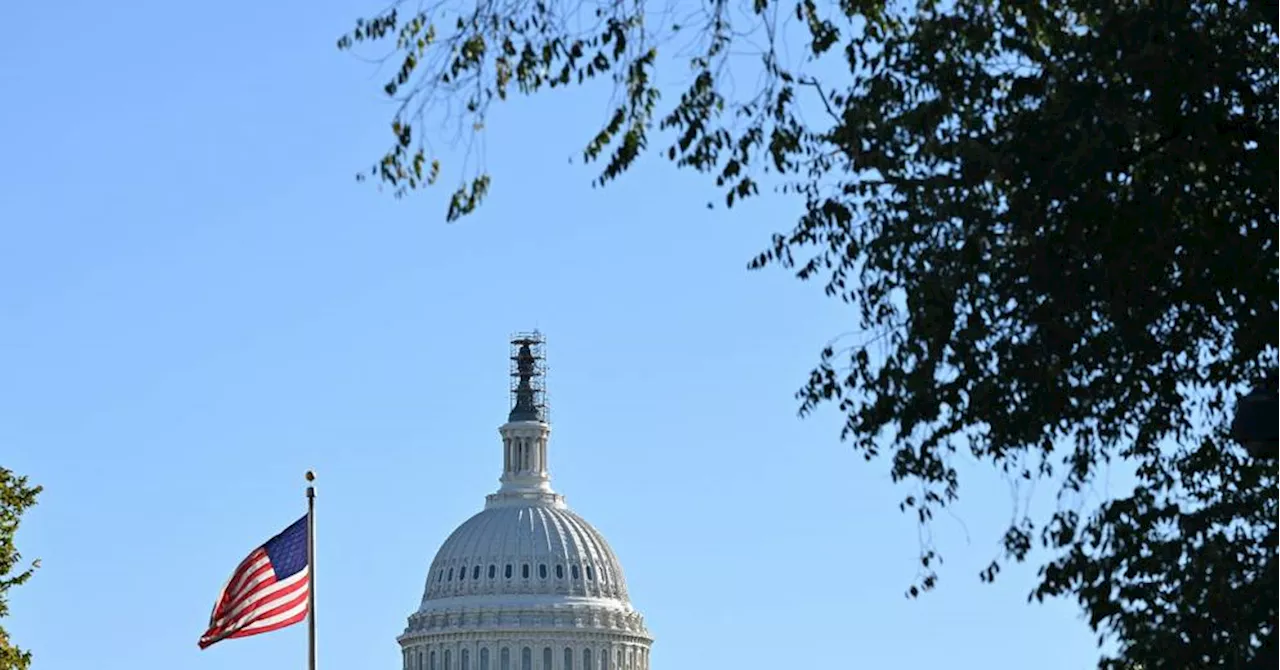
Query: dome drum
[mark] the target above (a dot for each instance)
(516, 651)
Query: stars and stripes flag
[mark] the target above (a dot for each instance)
(268, 591)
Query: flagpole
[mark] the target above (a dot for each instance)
(311, 571)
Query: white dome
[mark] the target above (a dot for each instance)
(525, 549)
(525, 584)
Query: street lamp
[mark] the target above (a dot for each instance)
(1257, 422)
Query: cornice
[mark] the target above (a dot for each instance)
(515, 637)
(546, 619)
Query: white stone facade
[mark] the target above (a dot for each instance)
(525, 584)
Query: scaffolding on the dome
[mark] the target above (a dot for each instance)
(529, 378)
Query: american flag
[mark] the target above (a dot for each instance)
(268, 591)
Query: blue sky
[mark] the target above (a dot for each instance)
(198, 303)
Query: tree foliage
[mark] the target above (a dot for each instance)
(15, 497)
(1055, 220)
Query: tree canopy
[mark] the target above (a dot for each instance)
(15, 497)
(1055, 220)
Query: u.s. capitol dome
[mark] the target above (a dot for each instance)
(526, 583)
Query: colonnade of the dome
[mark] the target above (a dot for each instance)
(517, 651)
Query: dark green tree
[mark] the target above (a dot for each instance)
(1056, 221)
(15, 497)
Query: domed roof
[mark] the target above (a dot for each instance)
(525, 549)
(525, 574)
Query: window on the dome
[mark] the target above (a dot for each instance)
(524, 571)
(559, 571)
(440, 576)
(573, 569)
(493, 570)
(591, 574)
(475, 572)
(542, 571)
(508, 572)
(450, 574)
(462, 572)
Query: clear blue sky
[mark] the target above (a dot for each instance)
(198, 303)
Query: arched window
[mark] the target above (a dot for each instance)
(448, 659)
(493, 570)
(559, 571)
(542, 571)
(475, 572)
(504, 659)
(484, 658)
(524, 571)
(586, 659)
(526, 659)
(604, 660)
(591, 574)
(465, 659)
(440, 575)
(573, 569)
(547, 661)
(462, 572)
(431, 665)
(450, 574)
(568, 658)
(508, 571)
